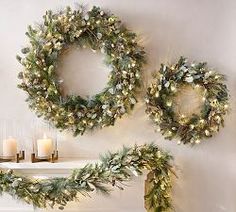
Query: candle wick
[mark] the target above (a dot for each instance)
(44, 136)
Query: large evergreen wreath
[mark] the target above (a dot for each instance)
(160, 101)
(114, 170)
(97, 30)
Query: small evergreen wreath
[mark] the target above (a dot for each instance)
(160, 95)
(99, 31)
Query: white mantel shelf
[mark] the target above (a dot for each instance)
(61, 164)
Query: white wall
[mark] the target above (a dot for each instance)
(201, 30)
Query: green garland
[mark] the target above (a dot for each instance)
(97, 30)
(160, 102)
(114, 169)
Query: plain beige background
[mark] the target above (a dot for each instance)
(203, 30)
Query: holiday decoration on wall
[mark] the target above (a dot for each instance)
(169, 82)
(113, 170)
(93, 29)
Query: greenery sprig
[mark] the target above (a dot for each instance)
(168, 82)
(112, 171)
(93, 29)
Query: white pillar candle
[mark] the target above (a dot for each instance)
(9, 147)
(44, 146)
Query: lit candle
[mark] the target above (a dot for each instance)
(45, 146)
(9, 147)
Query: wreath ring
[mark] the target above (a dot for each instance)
(97, 30)
(160, 95)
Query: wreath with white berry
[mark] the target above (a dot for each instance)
(94, 29)
(160, 101)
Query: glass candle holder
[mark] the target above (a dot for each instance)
(10, 138)
(44, 141)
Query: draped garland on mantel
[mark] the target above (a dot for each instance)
(113, 170)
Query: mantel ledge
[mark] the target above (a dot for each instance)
(61, 164)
